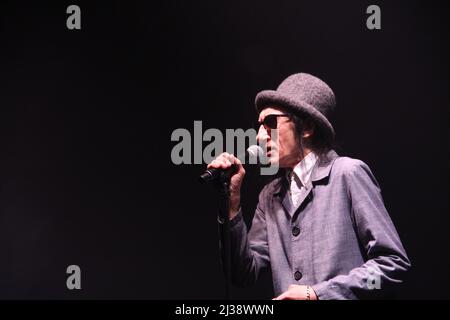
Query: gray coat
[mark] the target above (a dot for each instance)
(340, 239)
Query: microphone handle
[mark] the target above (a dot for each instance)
(214, 173)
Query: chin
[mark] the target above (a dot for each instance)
(275, 161)
(283, 165)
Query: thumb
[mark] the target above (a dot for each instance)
(282, 296)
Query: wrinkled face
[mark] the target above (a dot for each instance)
(285, 150)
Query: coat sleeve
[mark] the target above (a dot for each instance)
(386, 261)
(249, 251)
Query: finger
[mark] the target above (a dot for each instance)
(222, 161)
(281, 296)
(225, 161)
(231, 158)
(225, 157)
(240, 167)
(214, 164)
(225, 165)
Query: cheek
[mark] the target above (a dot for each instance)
(287, 141)
(282, 147)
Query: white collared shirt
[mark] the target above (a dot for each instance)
(299, 176)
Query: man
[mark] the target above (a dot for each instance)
(322, 226)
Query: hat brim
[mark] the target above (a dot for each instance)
(268, 98)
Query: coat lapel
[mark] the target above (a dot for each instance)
(320, 171)
(323, 166)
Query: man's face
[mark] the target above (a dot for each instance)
(285, 151)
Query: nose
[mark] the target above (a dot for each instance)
(263, 136)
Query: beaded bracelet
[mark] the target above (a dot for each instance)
(308, 294)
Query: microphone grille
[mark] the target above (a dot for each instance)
(255, 151)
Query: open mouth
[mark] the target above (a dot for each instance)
(271, 152)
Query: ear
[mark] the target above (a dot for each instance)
(308, 129)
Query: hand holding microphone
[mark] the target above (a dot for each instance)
(225, 162)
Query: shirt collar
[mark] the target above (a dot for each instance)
(320, 171)
(304, 168)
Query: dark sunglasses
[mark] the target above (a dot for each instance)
(270, 121)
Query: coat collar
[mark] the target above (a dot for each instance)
(320, 171)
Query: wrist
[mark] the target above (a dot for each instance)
(233, 212)
(235, 202)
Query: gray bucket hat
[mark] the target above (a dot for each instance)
(302, 93)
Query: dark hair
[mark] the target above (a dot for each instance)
(320, 142)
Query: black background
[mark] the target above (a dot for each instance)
(86, 119)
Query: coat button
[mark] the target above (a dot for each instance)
(297, 275)
(295, 231)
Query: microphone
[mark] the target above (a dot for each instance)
(252, 155)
